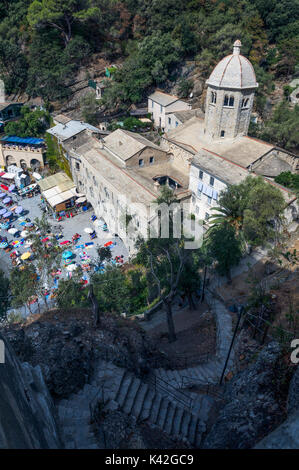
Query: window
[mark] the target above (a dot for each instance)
(77, 166)
(176, 123)
(228, 101)
(209, 200)
(245, 102)
(169, 121)
(152, 104)
(213, 97)
(141, 162)
(206, 216)
(197, 210)
(151, 160)
(222, 133)
(200, 174)
(161, 108)
(212, 181)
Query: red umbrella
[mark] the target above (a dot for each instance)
(108, 243)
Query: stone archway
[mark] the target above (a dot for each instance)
(10, 160)
(23, 165)
(35, 164)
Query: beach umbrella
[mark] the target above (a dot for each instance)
(6, 200)
(7, 214)
(24, 233)
(67, 254)
(11, 187)
(29, 243)
(71, 267)
(29, 224)
(88, 230)
(2, 195)
(19, 210)
(3, 245)
(13, 230)
(108, 243)
(26, 255)
(2, 211)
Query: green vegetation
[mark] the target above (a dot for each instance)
(282, 128)
(89, 108)
(31, 124)
(130, 124)
(4, 295)
(289, 180)
(44, 42)
(55, 156)
(249, 208)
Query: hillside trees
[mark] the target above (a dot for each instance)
(32, 123)
(61, 15)
(4, 295)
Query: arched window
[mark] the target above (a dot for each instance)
(213, 97)
(231, 101)
(225, 103)
(245, 102)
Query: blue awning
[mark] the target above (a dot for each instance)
(13, 139)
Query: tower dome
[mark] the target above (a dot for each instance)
(230, 96)
(233, 71)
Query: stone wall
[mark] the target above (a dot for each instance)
(28, 419)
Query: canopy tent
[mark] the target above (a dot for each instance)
(12, 139)
(24, 233)
(26, 255)
(81, 200)
(19, 210)
(2, 195)
(6, 200)
(2, 211)
(12, 230)
(11, 187)
(67, 254)
(7, 214)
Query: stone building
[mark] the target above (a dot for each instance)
(217, 143)
(24, 152)
(161, 106)
(120, 174)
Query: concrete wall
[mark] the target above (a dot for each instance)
(233, 120)
(19, 155)
(180, 156)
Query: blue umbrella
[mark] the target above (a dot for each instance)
(67, 254)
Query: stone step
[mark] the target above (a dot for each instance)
(140, 400)
(148, 404)
(130, 398)
(177, 421)
(169, 418)
(154, 413)
(163, 413)
(123, 391)
(192, 429)
(185, 423)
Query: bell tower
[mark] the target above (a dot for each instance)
(230, 95)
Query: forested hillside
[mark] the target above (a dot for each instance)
(45, 42)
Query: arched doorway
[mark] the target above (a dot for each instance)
(23, 164)
(10, 160)
(34, 164)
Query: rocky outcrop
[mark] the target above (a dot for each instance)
(66, 346)
(28, 417)
(252, 407)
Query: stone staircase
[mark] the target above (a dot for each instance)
(181, 416)
(74, 416)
